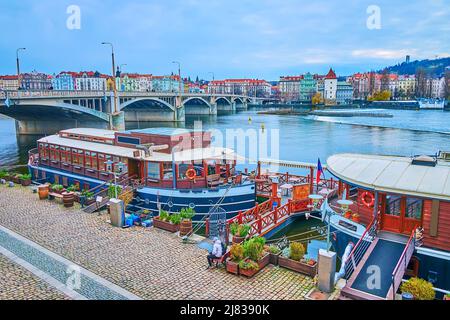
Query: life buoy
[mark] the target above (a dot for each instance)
(368, 203)
(191, 174)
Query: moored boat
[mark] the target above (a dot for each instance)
(170, 169)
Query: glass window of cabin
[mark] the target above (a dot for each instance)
(414, 208)
(153, 170)
(182, 168)
(393, 205)
(167, 171)
(87, 162)
(80, 157)
(94, 164)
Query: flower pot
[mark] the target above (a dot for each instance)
(185, 227)
(43, 192)
(157, 223)
(25, 182)
(273, 258)
(68, 199)
(248, 272)
(298, 266)
(232, 267)
(446, 297)
(237, 239)
(264, 261)
(348, 215)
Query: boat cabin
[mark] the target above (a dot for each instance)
(156, 157)
(403, 193)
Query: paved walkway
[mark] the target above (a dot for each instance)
(149, 263)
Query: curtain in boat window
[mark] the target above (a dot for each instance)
(393, 205)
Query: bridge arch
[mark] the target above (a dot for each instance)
(239, 100)
(223, 100)
(147, 103)
(197, 106)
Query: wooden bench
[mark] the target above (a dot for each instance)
(222, 260)
(214, 180)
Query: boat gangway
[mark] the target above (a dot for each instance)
(375, 268)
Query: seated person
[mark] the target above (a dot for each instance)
(216, 252)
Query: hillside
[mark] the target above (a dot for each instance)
(434, 67)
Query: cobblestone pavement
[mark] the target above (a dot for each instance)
(150, 263)
(17, 283)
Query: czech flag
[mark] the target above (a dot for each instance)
(319, 172)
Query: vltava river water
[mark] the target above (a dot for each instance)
(301, 138)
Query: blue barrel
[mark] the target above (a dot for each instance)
(407, 296)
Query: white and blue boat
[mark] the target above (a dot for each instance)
(170, 169)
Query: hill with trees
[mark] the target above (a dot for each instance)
(435, 67)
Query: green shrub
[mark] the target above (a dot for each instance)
(239, 230)
(57, 187)
(296, 251)
(112, 191)
(164, 216)
(237, 252)
(187, 213)
(274, 249)
(419, 288)
(88, 194)
(248, 265)
(3, 174)
(73, 188)
(175, 218)
(254, 248)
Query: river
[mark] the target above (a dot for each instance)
(301, 138)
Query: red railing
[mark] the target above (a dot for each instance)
(252, 214)
(399, 270)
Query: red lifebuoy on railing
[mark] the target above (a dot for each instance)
(367, 199)
(191, 174)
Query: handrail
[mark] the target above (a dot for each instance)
(358, 248)
(404, 258)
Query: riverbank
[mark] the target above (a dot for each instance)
(147, 262)
(329, 113)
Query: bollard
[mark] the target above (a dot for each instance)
(326, 270)
(117, 212)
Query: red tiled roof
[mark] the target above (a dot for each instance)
(8, 77)
(331, 75)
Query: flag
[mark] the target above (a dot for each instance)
(319, 172)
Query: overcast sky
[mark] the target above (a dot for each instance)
(232, 38)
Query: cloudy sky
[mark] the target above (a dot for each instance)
(232, 38)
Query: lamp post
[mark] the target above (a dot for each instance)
(212, 73)
(18, 66)
(113, 74)
(179, 87)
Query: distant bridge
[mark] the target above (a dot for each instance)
(40, 112)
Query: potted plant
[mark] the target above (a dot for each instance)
(355, 217)
(25, 179)
(293, 259)
(15, 177)
(248, 268)
(186, 215)
(419, 288)
(87, 198)
(236, 256)
(274, 253)
(114, 190)
(167, 222)
(447, 296)
(57, 188)
(254, 250)
(348, 214)
(4, 175)
(239, 232)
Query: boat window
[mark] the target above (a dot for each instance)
(168, 174)
(153, 170)
(414, 208)
(393, 205)
(182, 168)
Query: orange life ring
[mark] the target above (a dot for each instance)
(369, 203)
(191, 174)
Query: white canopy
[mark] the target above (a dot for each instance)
(393, 174)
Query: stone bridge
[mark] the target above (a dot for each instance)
(42, 112)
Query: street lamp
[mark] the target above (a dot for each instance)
(113, 74)
(179, 85)
(18, 66)
(212, 73)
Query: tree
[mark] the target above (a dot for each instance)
(317, 99)
(421, 82)
(384, 95)
(385, 80)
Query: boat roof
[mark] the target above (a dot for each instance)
(101, 133)
(393, 174)
(213, 153)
